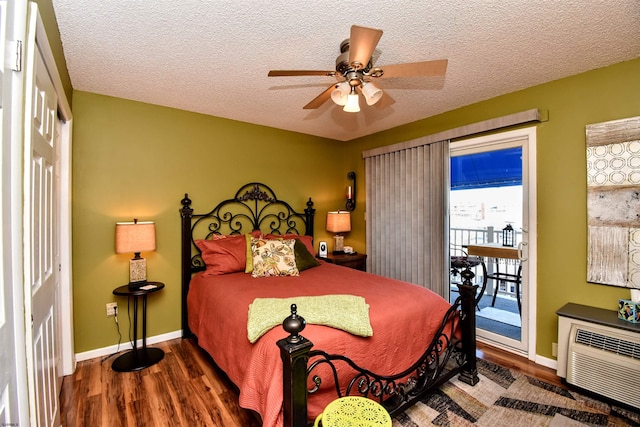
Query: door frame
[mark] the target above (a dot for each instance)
(527, 347)
(11, 169)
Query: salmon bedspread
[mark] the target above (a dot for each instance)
(404, 318)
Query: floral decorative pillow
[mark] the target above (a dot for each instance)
(273, 257)
(257, 234)
(307, 240)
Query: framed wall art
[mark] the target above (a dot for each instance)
(613, 202)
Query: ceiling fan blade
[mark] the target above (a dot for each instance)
(413, 69)
(290, 73)
(320, 99)
(362, 42)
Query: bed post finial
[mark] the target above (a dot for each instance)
(186, 201)
(294, 324)
(294, 352)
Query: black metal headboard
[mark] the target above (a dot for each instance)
(253, 207)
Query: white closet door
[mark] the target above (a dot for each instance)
(41, 255)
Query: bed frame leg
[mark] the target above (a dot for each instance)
(469, 372)
(294, 351)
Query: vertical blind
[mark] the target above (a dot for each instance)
(406, 214)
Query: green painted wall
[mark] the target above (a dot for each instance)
(135, 160)
(605, 94)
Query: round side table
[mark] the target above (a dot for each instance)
(138, 357)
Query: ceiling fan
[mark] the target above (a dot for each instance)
(354, 69)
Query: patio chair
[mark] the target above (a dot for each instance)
(460, 260)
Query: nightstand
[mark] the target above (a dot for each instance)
(143, 357)
(356, 261)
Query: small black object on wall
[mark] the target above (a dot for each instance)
(351, 193)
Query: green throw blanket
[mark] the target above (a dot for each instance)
(347, 312)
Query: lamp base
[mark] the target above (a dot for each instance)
(338, 252)
(137, 269)
(339, 244)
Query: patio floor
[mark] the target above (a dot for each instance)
(503, 318)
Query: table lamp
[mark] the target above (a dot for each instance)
(338, 222)
(136, 237)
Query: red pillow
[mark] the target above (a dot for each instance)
(224, 256)
(307, 240)
(255, 233)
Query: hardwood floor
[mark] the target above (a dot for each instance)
(186, 389)
(518, 363)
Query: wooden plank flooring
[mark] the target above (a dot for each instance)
(518, 363)
(186, 389)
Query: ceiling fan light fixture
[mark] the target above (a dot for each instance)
(371, 92)
(355, 64)
(352, 105)
(340, 93)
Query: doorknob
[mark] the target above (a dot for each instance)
(521, 245)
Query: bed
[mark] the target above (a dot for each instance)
(367, 335)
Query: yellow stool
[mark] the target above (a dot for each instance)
(353, 411)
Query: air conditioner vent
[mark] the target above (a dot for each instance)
(608, 343)
(603, 360)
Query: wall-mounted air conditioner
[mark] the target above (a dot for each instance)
(600, 359)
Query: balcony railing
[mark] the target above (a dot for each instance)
(460, 238)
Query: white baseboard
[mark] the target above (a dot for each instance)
(105, 351)
(545, 361)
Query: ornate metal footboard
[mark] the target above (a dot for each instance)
(452, 351)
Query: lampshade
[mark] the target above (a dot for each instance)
(352, 105)
(340, 93)
(371, 92)
(338, 222)
(135, 237)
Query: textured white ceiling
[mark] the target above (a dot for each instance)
(213, 56)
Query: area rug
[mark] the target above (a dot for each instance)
(509, 398)
(498, 315)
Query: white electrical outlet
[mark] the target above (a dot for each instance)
(554, 349)
(112, 309)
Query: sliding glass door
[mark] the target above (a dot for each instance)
(491, 204)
